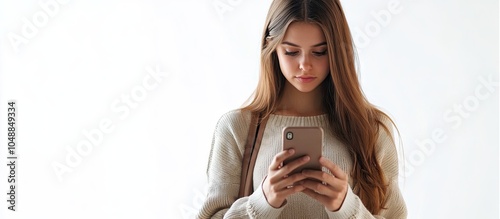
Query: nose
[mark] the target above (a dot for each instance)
(305, 63)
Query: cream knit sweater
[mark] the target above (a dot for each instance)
(224, 169)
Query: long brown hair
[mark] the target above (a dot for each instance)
(351, 117)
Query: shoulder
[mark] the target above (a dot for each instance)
(385, 128)
(385, 135)
(386, 151)
(230, 135)
(234, 124)
(234, 119)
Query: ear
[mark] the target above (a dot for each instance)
(267, 41)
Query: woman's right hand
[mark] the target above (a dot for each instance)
(278, 185)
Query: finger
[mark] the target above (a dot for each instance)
(334, 169)
(335, 183)
(319, 188)
(290, 190)
(289, 167)
(292, 180)
(319, 176)
(280, 157)
(284, 171)
(278, 172)
(313, 194)
(288, 186)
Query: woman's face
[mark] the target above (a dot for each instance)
(303, 56)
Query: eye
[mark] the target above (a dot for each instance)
(291, 53)
(320, 53)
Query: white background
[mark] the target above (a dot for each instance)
(70, 69)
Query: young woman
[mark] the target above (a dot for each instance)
(308, 78)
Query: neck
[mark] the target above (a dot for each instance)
(297, 103)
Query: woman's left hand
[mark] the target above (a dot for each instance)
(332, 192)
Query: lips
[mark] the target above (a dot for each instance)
(305, 79)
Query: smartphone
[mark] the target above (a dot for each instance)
(305, 141)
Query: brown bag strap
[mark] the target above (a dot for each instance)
(255, 133)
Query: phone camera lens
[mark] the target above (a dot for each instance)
(289, 135)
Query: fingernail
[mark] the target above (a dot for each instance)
(291, 151)
(306, 158)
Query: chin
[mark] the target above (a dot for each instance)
(306, 89)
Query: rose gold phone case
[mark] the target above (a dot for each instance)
(305, 141)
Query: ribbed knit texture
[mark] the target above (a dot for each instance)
(224, 169)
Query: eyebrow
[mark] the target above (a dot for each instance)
(293, 44)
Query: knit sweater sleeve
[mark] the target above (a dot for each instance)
(395, 207)
(224, 170)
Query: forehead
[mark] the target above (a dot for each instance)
(304, 34)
